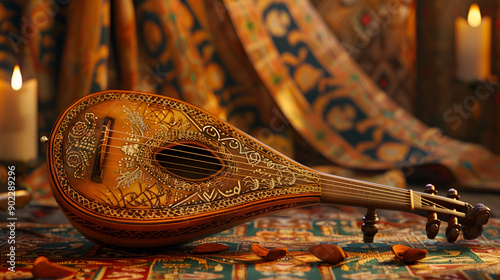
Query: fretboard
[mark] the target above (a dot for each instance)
(339, 190)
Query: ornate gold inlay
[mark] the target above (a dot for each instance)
(81, 145)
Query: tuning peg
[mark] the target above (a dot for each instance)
(452, 193)
(453, 229)
(481, 215)
(472, 231)
(433, 223)
(429, 188)
(432, 226)
(369, 227)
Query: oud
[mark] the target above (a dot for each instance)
(137, 169)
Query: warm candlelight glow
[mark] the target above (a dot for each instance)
(473, 46)
(474, 16)
(17, 80)
(18, 118)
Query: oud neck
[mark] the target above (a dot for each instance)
(340, 190)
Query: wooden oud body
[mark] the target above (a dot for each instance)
(129, 169)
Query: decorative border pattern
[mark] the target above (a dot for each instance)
(81, 141)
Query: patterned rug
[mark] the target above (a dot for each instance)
(297, 230)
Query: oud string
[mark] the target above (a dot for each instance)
(342, 187)
(186, 144)
(347, 185)
(347, 188)
(219, 159)
(339, 180)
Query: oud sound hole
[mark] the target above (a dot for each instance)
(189, 160)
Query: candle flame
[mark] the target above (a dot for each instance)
(17, 80)
(474, 16)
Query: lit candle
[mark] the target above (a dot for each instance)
(473, 46)
(18, 119)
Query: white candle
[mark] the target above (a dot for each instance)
(18, 120)
(473, 46)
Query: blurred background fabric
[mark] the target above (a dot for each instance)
(328, 99)
(171, 48)
(76, 47)
(381, 36)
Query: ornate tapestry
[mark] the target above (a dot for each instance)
(381, 36)
(173, 48)
(328, 99)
